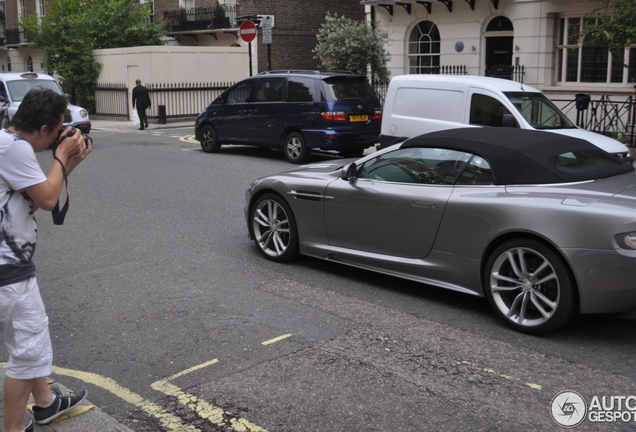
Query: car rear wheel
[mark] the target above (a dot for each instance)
(528, 284)
(295, 149)
(274, 228)
(209, 140)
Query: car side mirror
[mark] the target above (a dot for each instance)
(349, 172)
(508, 120)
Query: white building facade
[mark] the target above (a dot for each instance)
(537, 42)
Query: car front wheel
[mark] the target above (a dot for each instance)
(209, 140)
(295, 149)
(274, 228)
(528, 284)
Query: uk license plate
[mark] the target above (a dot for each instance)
(359, 118)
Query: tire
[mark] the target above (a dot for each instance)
(352, 153)
(530, 286)
(295, 149)
(209, 140)
(274, 228)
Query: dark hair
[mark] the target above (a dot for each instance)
(40, 107)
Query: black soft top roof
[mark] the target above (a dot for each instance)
(518, 156)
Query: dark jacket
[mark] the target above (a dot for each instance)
(141, 97)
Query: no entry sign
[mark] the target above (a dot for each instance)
(247, 31)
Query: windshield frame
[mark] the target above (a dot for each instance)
(539, 103)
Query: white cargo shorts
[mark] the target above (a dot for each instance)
(25, 330)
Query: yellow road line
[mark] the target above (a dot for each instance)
(508, 377)
(189, 139)
(203, 409)
(167, 420)
(279, 338)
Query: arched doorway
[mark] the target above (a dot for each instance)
(499, 45)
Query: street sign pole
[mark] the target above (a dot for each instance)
(249, 48)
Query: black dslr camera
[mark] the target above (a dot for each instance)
(65, 133)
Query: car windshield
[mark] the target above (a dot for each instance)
(350, 88)
(539, 111)
(19, 88)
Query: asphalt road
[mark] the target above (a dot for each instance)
(161, 306)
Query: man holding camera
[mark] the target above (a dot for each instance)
(23, 189)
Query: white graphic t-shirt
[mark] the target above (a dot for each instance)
(19, 169)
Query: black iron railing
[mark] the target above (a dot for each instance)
(201, 18)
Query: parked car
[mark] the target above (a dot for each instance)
(419, 104)
(539, 223)
(13, 87)
(296, 112)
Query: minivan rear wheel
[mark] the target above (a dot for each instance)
(209, 140)
(295, 149)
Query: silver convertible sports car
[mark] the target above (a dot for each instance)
(542, 225)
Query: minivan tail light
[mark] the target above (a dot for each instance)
(334, 115)
(377, 115)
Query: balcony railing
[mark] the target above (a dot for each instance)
(202, 18)
(16, 37)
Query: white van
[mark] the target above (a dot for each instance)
(418, 104)
(13, 87)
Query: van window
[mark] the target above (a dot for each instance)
(270, 90)
(240, 93)
(429, 104)
(539, 111)
(300, 89)
(486, 111)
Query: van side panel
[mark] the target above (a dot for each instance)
(416, 111)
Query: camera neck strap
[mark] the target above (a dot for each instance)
(59, 215)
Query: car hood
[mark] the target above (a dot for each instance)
(608, 144)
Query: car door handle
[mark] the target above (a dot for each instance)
(423, 204)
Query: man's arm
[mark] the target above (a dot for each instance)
(70, 153)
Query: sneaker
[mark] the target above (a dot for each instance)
(62, 404)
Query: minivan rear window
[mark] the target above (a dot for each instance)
(345, 88)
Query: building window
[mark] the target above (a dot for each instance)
(586, 58)
(29, 65)
(42, 8)
(424, 49)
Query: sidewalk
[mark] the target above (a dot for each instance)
(92, 420)
(103, 124)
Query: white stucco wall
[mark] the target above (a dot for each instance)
(174, 64)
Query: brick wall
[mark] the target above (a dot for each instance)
(296, 24)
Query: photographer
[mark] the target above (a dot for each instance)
(24, 188)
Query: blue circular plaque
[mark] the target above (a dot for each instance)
(459, 46)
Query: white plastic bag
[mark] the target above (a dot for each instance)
(135, 118)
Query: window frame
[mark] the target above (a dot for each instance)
(575, 49)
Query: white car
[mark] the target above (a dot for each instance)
(13, 87)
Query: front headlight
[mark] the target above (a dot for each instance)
(627, 240)
(83, 113)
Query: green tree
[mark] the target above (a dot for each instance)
(616, 25)
(346, 44)
(72, 29)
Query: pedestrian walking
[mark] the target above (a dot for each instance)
(141, 98)
(24, 188)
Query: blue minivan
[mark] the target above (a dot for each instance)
(295, 111)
